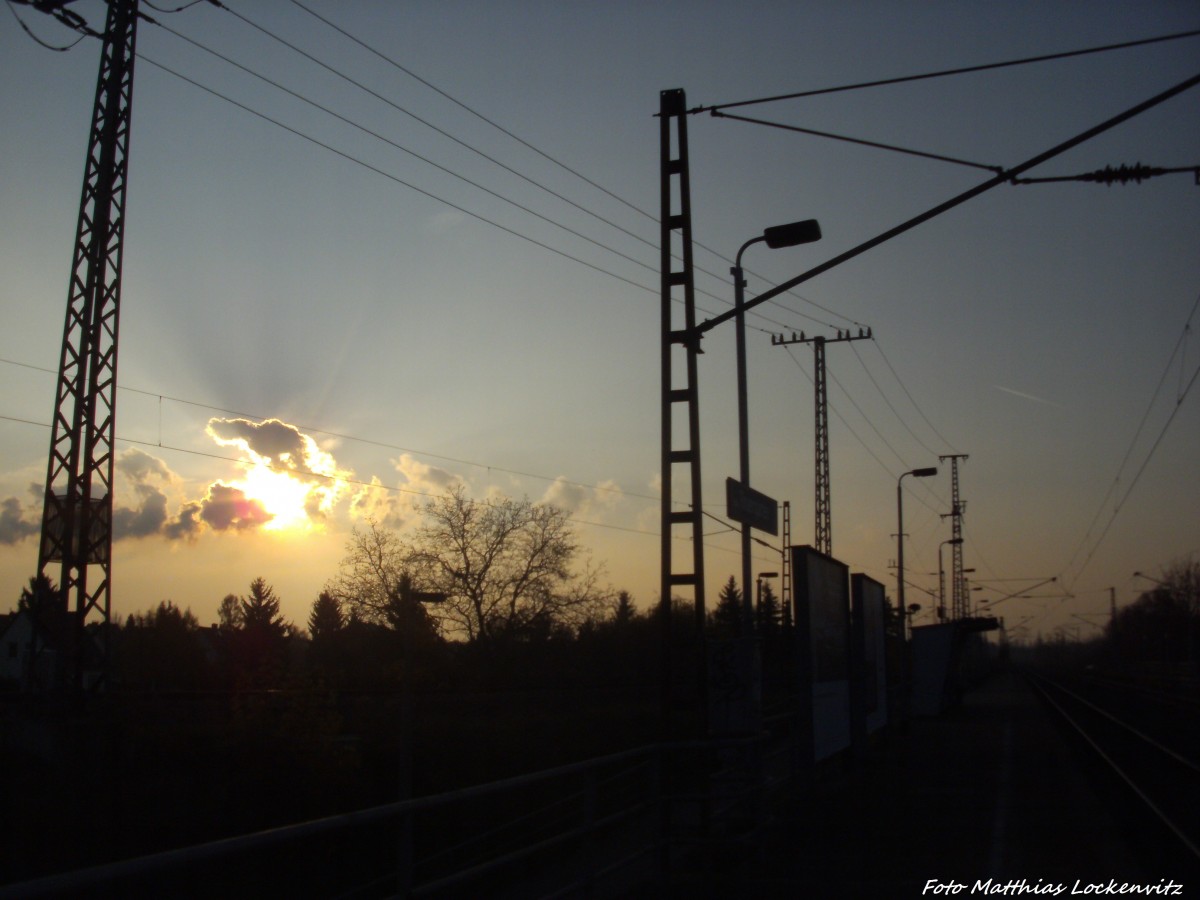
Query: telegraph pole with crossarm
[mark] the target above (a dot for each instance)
(824, 527)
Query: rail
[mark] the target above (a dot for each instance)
(1163, 780)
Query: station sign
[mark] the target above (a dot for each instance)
(750, 507)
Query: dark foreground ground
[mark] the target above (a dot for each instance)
(993, 798)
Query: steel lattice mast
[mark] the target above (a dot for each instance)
(958, 597)
(77, 515)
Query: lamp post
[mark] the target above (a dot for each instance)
(776, 237)
(915, 473)
(758, 592)
(942, 578)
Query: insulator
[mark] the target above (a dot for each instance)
(1123, 174)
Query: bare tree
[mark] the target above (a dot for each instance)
(505, 567)
(229, 613)
(372, 574)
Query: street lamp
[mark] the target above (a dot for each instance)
(776, 237)
(758, 592)
(915, 473)
(942, 578)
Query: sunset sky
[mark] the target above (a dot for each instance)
(333, 314)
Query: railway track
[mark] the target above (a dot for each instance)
(1144, 750)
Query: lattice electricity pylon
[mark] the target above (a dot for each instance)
(77, 515)
(958, 594)
(785, 572)
(823, 504)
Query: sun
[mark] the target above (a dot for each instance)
(284, 497)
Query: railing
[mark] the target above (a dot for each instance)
(572, 812)
(602, 826)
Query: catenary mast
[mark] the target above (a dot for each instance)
(77, 514)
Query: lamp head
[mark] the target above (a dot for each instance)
(792, 234)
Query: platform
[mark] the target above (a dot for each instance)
(993, 789)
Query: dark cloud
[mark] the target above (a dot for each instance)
(14, 526)
(185, 525)
(228, 507)
(271, 438)
(148, 519)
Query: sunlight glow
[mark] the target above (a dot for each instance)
(285, 498)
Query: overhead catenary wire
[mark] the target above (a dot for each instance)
(860, 141)
(37, 40)
(958, 199)
(945, 73)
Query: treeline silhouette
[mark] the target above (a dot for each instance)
(252, 722)
(204, 732)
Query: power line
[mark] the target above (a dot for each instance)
(466, 145)
(854, 433)
(895, 412)
(507, 132)
(428, 161)
(1145, 462)
(391, 177)
(311, 429)
(341, 478)
(473, 112)
(410, 152)
(909, 395)
(1133, 443)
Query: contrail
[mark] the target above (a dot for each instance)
(1027, 396)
